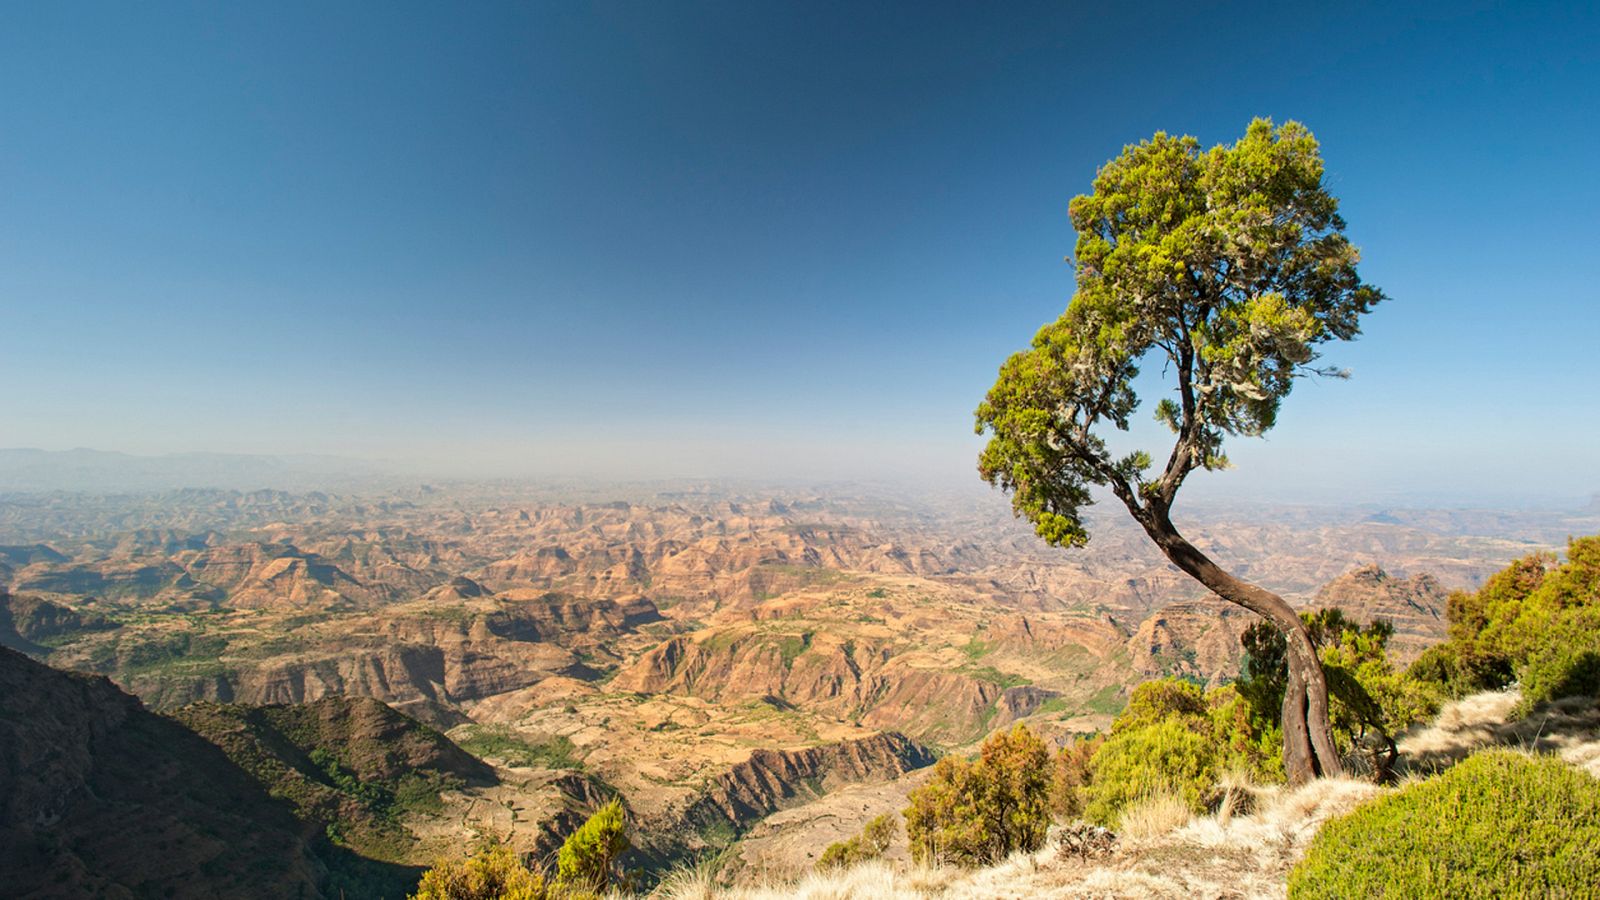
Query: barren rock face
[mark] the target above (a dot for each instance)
(773, 780)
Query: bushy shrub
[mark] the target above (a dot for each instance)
(493, 873)
(1168, 757)
(1158, 701)
(1500, 824)
(871, 843)
(1172, 739)
(1536, 621)
(588, 858)
(977, 813)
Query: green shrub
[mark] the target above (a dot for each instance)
(1174, 739)
(871, 843)
(493, 873)
(1158, 701)
(1500, 824)
(588, 858)
(501, 742)
(1536, 621)
(978, 813)
(1169, 757)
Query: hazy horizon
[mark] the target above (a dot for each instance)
(647, 242)
(92, 471)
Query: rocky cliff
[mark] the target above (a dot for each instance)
(773, 780)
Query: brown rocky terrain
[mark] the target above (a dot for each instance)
(669, 646)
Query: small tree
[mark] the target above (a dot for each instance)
(493, 873)
(588, 858)
(1228, 267)
(979, 813)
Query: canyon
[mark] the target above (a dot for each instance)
(737, 664)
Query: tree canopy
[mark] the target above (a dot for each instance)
(1229, 267)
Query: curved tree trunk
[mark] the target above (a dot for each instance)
(1308, 749)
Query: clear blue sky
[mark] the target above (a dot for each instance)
(759, 238)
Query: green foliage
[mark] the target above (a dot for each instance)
(996, 677)
(1227, 266)
(1166, 757)
(588, 858)
(186, 653)
(1107, 701)
(976, 648)
(977, 813)
(1172, 738)
(500, 742)
(1536, 622)
(1369, 703)
(871, 843)
(1500, 824)
(1154, 702)
(369, 794)
(493, 873)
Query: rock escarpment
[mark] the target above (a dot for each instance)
(772, 780)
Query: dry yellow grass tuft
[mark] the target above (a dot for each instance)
(1154, 817)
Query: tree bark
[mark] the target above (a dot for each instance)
(1308, 748)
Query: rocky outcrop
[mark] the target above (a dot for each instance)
(772, 780)
(280, 575)
(1196, 639)
(1415, 606)
(843, 679)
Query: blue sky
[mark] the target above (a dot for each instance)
(758, 238)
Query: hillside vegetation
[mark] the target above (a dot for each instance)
(1497, 796)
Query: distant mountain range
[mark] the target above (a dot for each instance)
(82, 469)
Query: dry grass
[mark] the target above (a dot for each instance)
(1569, 728)
(861, 882)
(1245, 851)
(1154, 817)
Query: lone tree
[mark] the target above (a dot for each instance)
(1227, 267)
